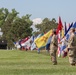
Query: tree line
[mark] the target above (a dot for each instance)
(15, 27)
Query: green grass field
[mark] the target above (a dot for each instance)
(16, 62)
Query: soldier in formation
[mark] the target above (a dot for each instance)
(72, 47)
(53, 47)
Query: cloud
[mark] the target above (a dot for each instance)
(37, 21)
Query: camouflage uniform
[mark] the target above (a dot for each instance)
(72, 49)
(53, 49)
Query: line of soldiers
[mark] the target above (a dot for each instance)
(71, 48)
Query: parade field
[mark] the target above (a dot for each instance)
(16, 62)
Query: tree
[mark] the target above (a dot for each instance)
(21, 28)
(46, 25)
(14, 27)
(8, 24)
(3, 15)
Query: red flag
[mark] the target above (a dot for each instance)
(59, 28)
(24, 40)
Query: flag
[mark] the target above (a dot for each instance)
(67, 35)
(32, 38)
(33, 45)
(63, 44)
(48, 43)
(74, 26)
(62, 33)
(68, 29)
(65, 39)
(65, 28)
(43, 39)
(23, 41)
(17, 45)
(59, 28)
(27, 44)
(49, 40)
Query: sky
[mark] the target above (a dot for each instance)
(41, 9)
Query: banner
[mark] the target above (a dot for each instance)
(42, 41)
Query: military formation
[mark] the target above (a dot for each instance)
(71, 47)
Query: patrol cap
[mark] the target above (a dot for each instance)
(72, 28)
(54, 31)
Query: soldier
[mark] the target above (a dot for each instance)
(53, 47)
(72, 47)
(75, 30)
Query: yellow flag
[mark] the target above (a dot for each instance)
(41, 41)
(62, 32)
